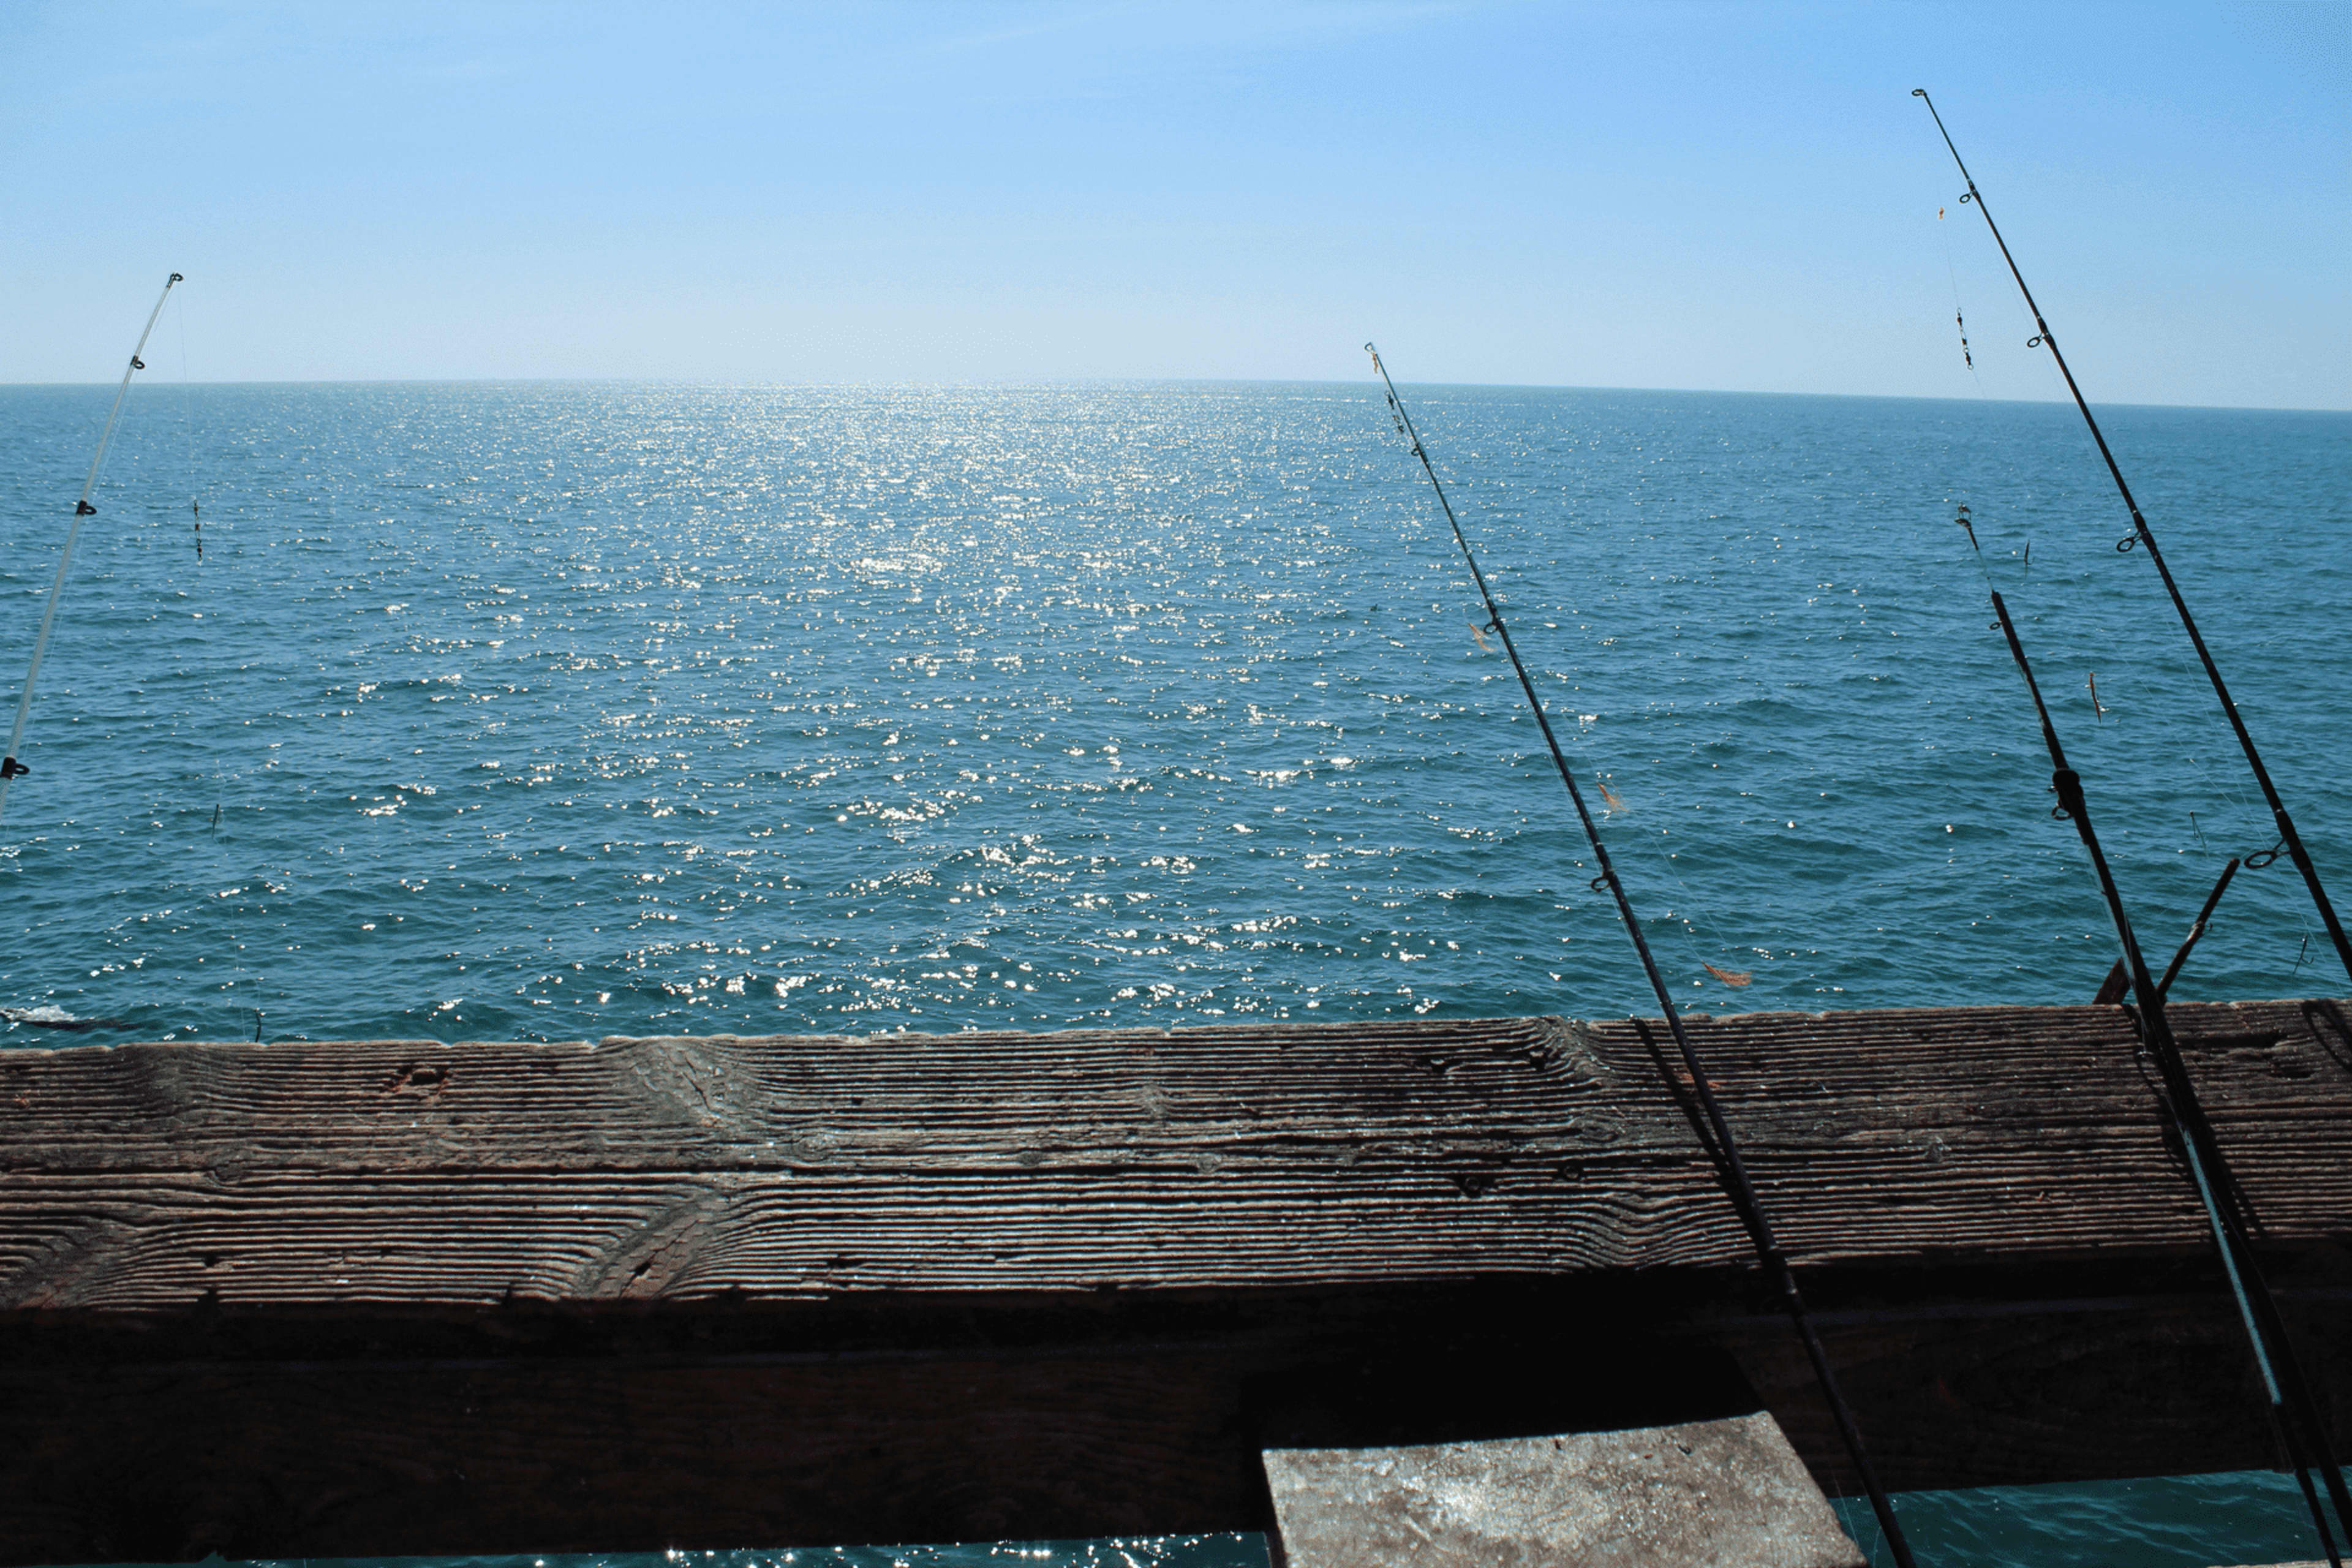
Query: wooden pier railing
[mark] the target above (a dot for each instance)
(376, 1298)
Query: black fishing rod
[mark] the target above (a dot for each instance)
(2288, 839)
(2118, 982)
(2294, 1416)
(1724, 1148)
(2197, 928)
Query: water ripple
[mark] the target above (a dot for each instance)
(552, 711)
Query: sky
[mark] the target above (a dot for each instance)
(1713, 196)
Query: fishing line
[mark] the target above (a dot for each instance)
(188, 427)
(1713, 1131)
(2213, 784)
(2295, 1414)
(2245, 828)
(1700, 932)
(197, 517)
(1696, 929)
(1968, 358)
(1651, 852)
(2197, 927)
(2289, 840)
(2240, 823)
(1639, 851)
(10, 768)
(1960, 316)
(2117, 982)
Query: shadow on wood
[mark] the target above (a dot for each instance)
(381, 1297)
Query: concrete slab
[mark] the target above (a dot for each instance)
(1710, 1494)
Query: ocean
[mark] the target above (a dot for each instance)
(546, 711)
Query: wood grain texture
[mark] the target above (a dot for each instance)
(150, 1177)
(366, 1299)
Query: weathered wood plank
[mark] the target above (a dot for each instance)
(376, 1298)
(149, 1177)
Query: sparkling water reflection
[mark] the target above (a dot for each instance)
(556, 711)
(1232, 1551)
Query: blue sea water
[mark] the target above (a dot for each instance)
(2194, 1521)
(551, 712)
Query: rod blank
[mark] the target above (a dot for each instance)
(1722, 1147)
(9, 766)
(2289, 839)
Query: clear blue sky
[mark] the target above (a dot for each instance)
(1661, 194)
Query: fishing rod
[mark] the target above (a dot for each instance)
(2294, 1415)
(2197, 928)
(2288, 839)
(10, 768)
(1724, 1148)
(2119, 982)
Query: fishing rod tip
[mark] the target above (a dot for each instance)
(175, 278)
(1918, 92)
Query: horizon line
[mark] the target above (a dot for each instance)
(1076, 381)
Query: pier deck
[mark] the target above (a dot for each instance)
(376, 1298)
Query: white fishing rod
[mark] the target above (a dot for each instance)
(10, 767)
